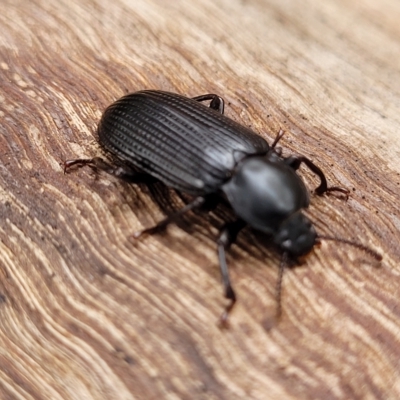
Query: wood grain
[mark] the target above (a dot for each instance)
(87, 314)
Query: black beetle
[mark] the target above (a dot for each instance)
(161, 136)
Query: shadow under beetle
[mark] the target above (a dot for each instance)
(161, 136)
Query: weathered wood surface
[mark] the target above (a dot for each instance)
(86, 314)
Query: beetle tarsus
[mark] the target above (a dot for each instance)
(78, 163)
(145, 232)
(334, 189)
(224, 319)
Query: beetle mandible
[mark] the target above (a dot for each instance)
(195, 149)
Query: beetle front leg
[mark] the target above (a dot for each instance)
(123, 172)
(228, 235)
(295, 162)
(217, 103)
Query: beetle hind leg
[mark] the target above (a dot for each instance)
(123, 172)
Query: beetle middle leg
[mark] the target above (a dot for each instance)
(228, 235)
(207, 202)
(295, 162)
(217, 103)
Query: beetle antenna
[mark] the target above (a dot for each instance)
(360, 246)
(278, 138)
(282, 266)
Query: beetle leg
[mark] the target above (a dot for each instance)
(228, 235)
(217, 103)
(123, 172)
(196, 203)
(295, 162)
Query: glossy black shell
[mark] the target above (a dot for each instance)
(181, 142)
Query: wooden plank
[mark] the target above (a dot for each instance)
(86, 313)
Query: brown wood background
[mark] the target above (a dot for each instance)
(86, 314)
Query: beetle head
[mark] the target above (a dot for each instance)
(296, 235)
